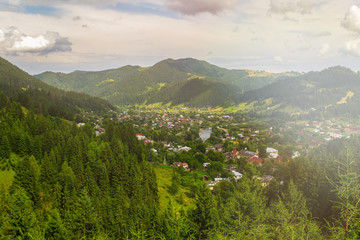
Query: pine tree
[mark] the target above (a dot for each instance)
(21, 222)
(4, 148)
(54, 227)
(27, 176)
(347, 191)
(203, 215)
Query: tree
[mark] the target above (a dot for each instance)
(347, 190)
(290, 218)
(21, 222)
(27, 177)
(54, 227)
(175, 183)
(262, 151)
(205, 212)
(4, 148)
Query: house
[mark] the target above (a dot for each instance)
(255, 159)
(231, 167)
(211, 184)
(205, 165)
(140, 137)
(218, 147)
(265, 180)
(295, 154)
(237, 175)
(180, 164)
(80, 124)
(186, 149)
(272, 152)
(281, 159)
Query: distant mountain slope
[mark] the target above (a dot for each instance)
(41, 97)
(336, 90)
(166, 81)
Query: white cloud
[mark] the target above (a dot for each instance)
(2, 35)
(278, 59)
(194, 7)
(288, 6)
(324, 49)
(28, 43)
(351, 20)
(12, 41)
(352, 47)
(51, 2)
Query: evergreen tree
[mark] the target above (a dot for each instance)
(27, 177)
(54, 227)
(4, 148)
(203, 215)
(21, 221)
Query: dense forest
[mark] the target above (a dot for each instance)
(45, 99)
(70, 184)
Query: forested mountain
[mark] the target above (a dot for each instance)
(167, 81)
(335, 90)
(43, 98)
(59, 181)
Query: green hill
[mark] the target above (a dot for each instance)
(184, 81)
(335, 90)
(43, 98)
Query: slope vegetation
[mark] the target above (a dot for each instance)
(43, 98)
(184, 81)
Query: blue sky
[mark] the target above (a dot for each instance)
(271, 35)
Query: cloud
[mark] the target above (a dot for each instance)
(352, 47)
(278, 59)
(351, 20)
(298, 43)
(13, 42)
(290, 6)
(195, 7)
(324, 49)
(51, 2)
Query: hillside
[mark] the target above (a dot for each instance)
(43, 98)
(184, 81)
(333, 90)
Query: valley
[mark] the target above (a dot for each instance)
(190, 156)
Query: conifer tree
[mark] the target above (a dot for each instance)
(27, 177)
(203, 215)
(4, 148)
(21, 222)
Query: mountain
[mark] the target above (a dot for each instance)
(43, 98)
(184, 81)
(335, 90)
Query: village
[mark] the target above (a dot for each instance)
(219, 144)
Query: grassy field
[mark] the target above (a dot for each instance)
(179, 200)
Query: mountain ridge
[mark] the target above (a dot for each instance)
(41, 97)
(138, 85)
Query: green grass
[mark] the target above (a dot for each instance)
(6, 179)
(164, 175)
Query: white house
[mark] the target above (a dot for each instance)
(273, 153)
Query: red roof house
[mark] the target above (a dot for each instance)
(255, 159)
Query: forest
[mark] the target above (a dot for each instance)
(60, 181)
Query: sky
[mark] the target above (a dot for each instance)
(270, 35)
